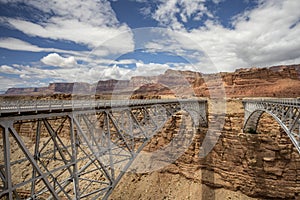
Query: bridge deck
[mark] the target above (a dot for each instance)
(22, 107)
(87, 145)
(281, 101)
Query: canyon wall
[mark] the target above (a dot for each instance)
(240, 166)
(278, 81)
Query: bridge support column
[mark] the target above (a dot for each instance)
(82, 151)
(10, 130)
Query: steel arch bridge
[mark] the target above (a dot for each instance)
(79, 149)
(285, 111)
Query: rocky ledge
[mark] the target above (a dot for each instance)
(277, 81)
(260, 166)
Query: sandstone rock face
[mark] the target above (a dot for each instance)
(260, 166)
(240, 166)
(278, 81)
(17, 91)
(152, 89)
(111, 85)
(61, 87)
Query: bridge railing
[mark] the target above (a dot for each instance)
(282, 101)
(286, 111)
(61, 105)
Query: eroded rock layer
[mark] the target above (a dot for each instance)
(278, 81)
(260, 166)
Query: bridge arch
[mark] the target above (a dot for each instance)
(253, 120)
(285, 111)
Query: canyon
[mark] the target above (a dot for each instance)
(277, 81)
(240, 165)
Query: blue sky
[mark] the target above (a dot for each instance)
(66, 41)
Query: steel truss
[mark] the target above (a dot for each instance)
(285, 111)
(79, 153)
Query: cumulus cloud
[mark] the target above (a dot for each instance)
(53, 59)
(8, 82)
(167, 12)
(30, 73)
(26, 74)
(264, 36)
(149, 69)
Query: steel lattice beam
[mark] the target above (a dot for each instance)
(79, 150)
(285, 111)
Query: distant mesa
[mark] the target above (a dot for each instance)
(276, 81)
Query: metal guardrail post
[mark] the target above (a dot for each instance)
(35, 106)
(50, 105)
(18, 105)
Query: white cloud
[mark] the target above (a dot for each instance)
(217, 1)
(167, 12)
(97, 13)
(8, 82)
(7, 69)
(27, 74)
(53, 59)
(71, 74)
(16, 44)
(267, 35)
(79, 32)
(20, 45)
(149, 69)
(17, 82)
(90, 23)
(264, 36)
